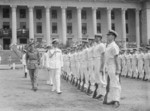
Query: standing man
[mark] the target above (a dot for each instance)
(33, 60)
(99, 50)
(112, 68)
(56, 65)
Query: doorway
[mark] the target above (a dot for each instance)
(6, 44)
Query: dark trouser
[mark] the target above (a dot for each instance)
(33, 75)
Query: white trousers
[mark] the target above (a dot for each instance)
(115, 86)
(50, 80)
(56, 79)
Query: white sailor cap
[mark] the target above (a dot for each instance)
(112, 32)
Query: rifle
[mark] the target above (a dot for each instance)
(107, 90)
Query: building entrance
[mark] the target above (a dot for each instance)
(6, 44)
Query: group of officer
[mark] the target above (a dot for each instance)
(135, 63)
(51, 59)
(93, 67)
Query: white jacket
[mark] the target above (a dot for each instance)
(56, 58)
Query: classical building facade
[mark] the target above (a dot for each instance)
(73, 20)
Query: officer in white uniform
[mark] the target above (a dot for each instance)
(99, 50)
(56, 59)
(47, 65)
(24, 63)
(140, 64)
(112, 68)
(134, 64)
(146, 64)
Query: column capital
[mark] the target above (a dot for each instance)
(63, 7)
(13, 6)
(123, 10)
(47, 7)
(30, 6)
(94, 8)
(109, 9)
(137, 9)
(79, 8)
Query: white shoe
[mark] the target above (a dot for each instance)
(53, 89)
(59, 92)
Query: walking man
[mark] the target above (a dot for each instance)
(33, 60)
(56, 59)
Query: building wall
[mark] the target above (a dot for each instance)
(86, 6)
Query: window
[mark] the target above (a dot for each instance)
(98, 14)
(113, 26)
(23, 25)
(127, 28)
(69, 14)
(6, 25)
(22, 13)
(54, 28)
(127, 15)
(84, 28)
(23, 41)
(112, 15)
(69, 28)
(54, 14)
(6, 13)
(98, 27)
(83, 14)
(39, 27)
(39, 40)
(38, 13)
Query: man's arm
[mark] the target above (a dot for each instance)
(116, 63)
(102, 62)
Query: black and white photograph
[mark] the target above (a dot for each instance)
(74, 55)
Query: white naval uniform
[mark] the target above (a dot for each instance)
(147, 65)
(99, 49)
(140, 65)
(112, 50)
(129, 65)
(24, 63)
(91, 68)
(134, 65)
(56, 63)
(124, 64)
(86, 73)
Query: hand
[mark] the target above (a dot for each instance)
(117, 72)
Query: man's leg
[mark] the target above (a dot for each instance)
(35, 79)
(53, 79)
(57, 77)
(31, 77)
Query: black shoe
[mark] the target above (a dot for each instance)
(59, 92)
(34, 89)
(25, 75)
(99, 96)
(111, 103)
(116, 104)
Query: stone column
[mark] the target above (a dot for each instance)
(123, 11)
(137, 28)
(48, 29)
(79, 22)
(31, 23)
(14, 25)
(64, 26)
(109, 18)
(94, 9)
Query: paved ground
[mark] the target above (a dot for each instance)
(16, 95)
